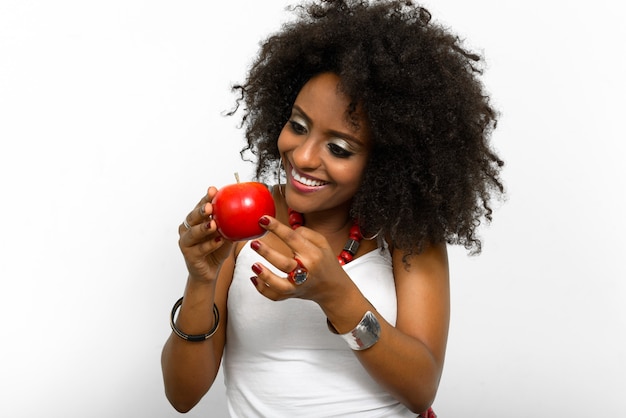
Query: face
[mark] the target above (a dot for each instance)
(324, 153)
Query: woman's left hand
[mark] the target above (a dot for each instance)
(311, 249)
(408, 359)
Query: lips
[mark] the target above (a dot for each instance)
(307, 181)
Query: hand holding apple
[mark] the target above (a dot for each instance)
(238, 207)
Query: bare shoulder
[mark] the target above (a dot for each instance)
(423, 294)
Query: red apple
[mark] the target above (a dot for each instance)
(238, 207)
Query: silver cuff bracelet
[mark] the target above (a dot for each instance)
(364, 335)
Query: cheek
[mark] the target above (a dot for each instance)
(283, 141)
(359, 174)
(352, 175)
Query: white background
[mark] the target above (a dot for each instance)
(111, 129)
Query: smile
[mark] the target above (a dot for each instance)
(305, 180)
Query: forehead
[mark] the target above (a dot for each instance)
(321, 97)
(323, 88)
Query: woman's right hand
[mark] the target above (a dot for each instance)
(202, 245)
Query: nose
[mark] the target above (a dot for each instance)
(307, 155)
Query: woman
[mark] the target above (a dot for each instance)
(379, 121)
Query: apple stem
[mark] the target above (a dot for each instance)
(237, 177)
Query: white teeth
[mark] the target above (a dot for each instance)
(306, 181)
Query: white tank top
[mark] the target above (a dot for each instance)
(281, 360)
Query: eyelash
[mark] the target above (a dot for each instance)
(334, 149)
(297, 127)
(338, 151)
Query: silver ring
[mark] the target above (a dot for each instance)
(298, 275)
(186, 225)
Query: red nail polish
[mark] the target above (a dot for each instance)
(218, 238)
(255, 245)
(265, 221)
(257, 268)
(254, 281)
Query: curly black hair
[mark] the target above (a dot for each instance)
(431, 173)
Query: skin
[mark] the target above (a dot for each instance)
(321, 145)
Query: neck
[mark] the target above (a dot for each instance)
(328, 223)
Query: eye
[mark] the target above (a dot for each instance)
(339, 151)
(297, 126)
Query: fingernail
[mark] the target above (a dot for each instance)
(218, 239)
(255, 245)
(254, 281)
(257, 268)
(265, 221)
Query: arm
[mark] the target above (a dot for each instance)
(408, 359)
(189, 368)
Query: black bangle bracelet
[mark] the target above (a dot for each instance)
(194, 338)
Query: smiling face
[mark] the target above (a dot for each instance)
(323, 151)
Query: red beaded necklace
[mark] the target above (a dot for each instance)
(296, 220)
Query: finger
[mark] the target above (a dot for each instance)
(296, 240)
(261, 285)
(312, 237)
(274, 257)
(203, 252)
(264, 288)
(201, 213)
(209, 245)
(269, 284)
(199, 233)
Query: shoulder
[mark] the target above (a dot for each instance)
(422, 281)
(432, 257)
(423, 294)
(421, 275)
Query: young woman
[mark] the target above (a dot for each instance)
(381, 125)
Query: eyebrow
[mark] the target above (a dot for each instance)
(340, 134)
